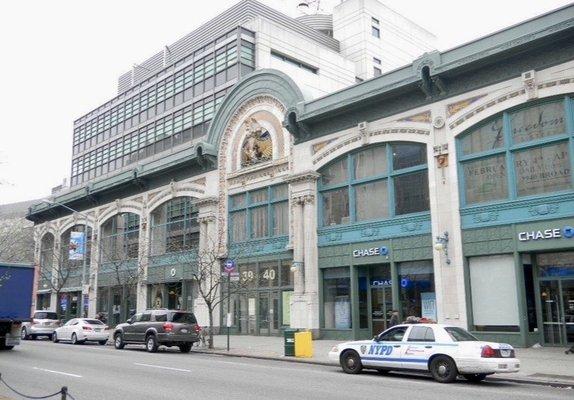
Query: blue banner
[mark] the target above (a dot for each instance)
(76, 246)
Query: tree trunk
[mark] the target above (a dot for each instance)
(210, 337)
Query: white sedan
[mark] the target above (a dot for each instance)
(80, 330)
(446, 351)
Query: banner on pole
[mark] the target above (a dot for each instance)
(76, 246)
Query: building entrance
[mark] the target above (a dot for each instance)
(557, 298)
(381, 307)
(556, 283)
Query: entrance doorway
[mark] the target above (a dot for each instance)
(381, 307)
(268, 313)
(557, 301)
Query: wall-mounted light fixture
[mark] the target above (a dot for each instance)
(296, 266)
(441, 244)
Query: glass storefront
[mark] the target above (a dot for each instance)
(374, 297)
(556, 278)
(260, 302)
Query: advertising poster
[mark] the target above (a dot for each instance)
(342, 312)
(76, 246)
(428, 305)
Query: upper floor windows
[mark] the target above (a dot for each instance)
(259, 213)
(378, 182)
(174, 227)
(120, 238)
(518, 153)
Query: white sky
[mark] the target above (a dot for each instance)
(61, 59)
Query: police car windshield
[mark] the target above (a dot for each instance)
(460, 335)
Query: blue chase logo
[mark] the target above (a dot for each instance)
(568, 232)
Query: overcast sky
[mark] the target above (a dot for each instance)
(62, 58)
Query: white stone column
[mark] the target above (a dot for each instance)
(208, 247)
(311, 262)
(92, 273)
(444, 207)
(143, 261)
(305, 301)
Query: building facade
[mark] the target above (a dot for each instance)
(442, 189)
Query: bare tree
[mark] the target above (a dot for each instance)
(207, 269)
(16, 240)
(122, 262)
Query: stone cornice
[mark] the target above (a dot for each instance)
(206, 202)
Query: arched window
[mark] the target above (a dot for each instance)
(72, 246)
(120, 237)
(378, 182)
(47, 253)
(174, 226)
(518, 153)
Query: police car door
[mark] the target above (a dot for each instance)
(419, 347)
(386, 350)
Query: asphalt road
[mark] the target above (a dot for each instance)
(100, 372)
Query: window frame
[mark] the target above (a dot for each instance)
(509, 150)
(351, 183)
(248, 208)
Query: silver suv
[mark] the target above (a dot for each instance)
(155, 328)
(44, 323)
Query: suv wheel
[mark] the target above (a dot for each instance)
(185, 348)
(151, 344)
(24, 334)
(55, 338)
(119, 341)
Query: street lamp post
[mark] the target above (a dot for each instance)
(84, 249)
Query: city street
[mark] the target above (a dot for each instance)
(100, 372)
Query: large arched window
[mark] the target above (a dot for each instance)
(174, 227)
(518, 153)
(378, 182)
(72, 246)
(47, 254)
(120, 237)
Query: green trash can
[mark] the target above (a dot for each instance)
(289, 336)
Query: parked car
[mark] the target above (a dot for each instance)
(81, 330)
(443, 350)
(156, 328)
(43, 324)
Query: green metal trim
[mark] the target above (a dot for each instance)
(264, 82)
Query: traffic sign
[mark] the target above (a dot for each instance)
(229, 266)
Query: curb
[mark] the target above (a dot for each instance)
(521, 380)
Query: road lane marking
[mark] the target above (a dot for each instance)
(57, 372)
(162, 367)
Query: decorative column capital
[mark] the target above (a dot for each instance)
(307, 176)
(303, 199)
(206, 219)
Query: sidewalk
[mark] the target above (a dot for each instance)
(547, 365)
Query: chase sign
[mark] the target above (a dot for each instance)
(371, 251)
(553, 233)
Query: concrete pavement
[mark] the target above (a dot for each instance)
(547, 365)
(94, 372)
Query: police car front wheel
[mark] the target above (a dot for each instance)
(351, 362)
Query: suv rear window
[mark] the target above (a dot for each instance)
(45, 315)
(183, 318)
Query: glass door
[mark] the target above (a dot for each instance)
(264, 313)
(274, 314)
(381, 307)
(568, 305)
(557, 301)
(551, 312)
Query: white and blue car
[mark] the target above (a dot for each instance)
(443, 350)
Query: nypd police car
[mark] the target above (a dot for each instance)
(443, 350)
